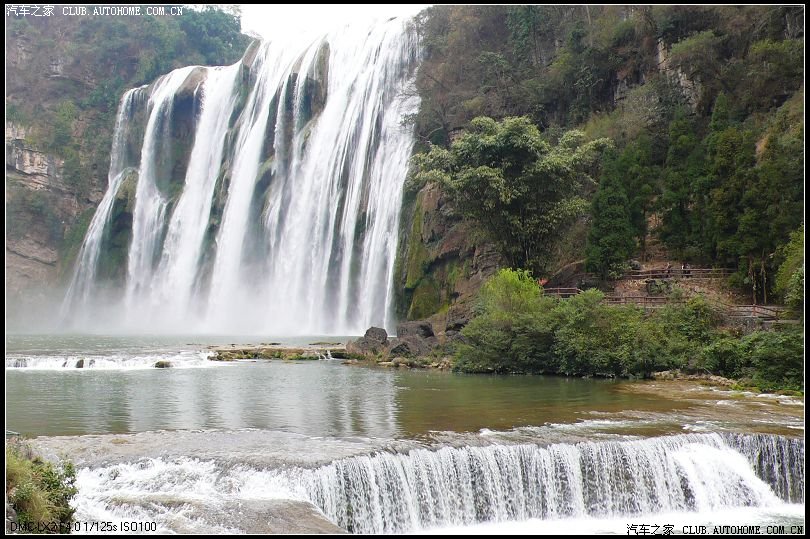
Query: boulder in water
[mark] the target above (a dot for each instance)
(409, 346)
(364, 347)
(372, 343)
(163, 364)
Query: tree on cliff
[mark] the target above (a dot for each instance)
(610, 238)
(514, 185)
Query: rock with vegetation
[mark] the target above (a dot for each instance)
(441, 263)
(38, 492)
(517, 187)
(274, 351)
(703, 103)
(372, 343)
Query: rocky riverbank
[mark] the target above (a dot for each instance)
(312, 352)
(415, 346)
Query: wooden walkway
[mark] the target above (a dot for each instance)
(761, 312)
(678, 273)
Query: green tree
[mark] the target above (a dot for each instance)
(513, 329)
(512, 184)
(640, 177)
(684, 170)
(610, 238)
(775, 70)
(790, 276)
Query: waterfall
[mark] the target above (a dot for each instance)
(177, 270)
(150, 204)
(386, 492)
(389, 493)
(268, 192)
(777, 460)
(81, 286)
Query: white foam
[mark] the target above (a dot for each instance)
(114, 361)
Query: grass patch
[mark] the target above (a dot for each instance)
(38, 491)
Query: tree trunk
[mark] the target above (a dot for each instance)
(764, 281)
(753, 279)
(590, 26)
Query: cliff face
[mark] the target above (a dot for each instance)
(441, 264)
(41, 208)
(647, 77)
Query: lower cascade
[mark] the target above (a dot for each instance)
(461, 486)
(261, 197)
(451, 486)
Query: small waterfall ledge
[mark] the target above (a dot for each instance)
(386, 492)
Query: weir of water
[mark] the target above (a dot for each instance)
(388, 492)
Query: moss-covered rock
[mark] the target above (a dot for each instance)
(303, 357)
(426, 300)
(440, 262)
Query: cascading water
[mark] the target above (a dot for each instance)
(150, 205)
(177, 271)
(462, 486)
(388, 493)
(82, 286)
(268, 201)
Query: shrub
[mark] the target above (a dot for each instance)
(37, 490)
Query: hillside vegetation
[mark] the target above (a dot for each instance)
(562, 134)
(702, 107)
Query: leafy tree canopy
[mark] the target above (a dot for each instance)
(515, 185)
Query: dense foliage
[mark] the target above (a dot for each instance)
(790, 277)
(704, 105)
(735, 196)
(610, 239)
(517, 186)
(561, 65)
(518, 329)
(39, 492)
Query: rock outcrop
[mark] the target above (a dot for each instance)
(372, 343)
(419, 328)
(440, 266)
(416, 346)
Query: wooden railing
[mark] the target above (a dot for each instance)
(678, 273)
(648, 302)
(562, 292)
(762, 312)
